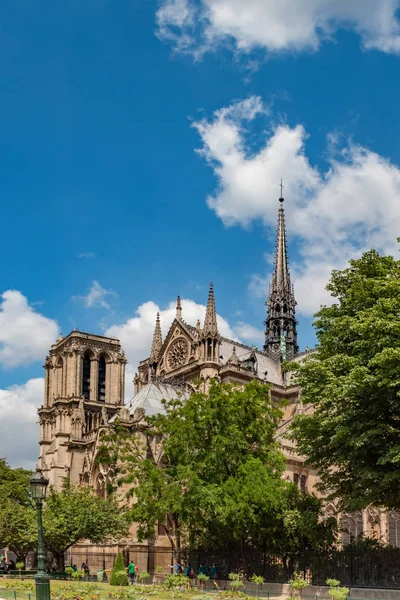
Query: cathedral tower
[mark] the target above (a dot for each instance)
(84, 387)
(280, 324)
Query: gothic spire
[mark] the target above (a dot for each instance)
(210, 321)
(281, 324)
(157, 340)
(178, 308)
(281, 276)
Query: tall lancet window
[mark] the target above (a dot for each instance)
(86, 376)
(101, 390)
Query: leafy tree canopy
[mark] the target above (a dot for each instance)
(18, 529)
(75, 513)
(220, 476)
(352, 381)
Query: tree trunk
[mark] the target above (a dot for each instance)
(60, 560)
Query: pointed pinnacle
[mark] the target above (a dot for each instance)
(178, 308)
(157, 340)
(210, 321)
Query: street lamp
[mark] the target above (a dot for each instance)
(38, 486)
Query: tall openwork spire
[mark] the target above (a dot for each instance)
(281, 324)
(157, 341)
(210, 321)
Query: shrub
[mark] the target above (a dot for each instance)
(78, 575)
(69, 571)
(176, 581)
(143, 576)
(118, 573)
(236, 582)
(202, 578)
(257, 579)
(336, 592)
(298, 583)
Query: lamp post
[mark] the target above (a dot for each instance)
(38, 486)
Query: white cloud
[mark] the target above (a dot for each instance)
(96, 297)
(352, 206)
(197, 26)
(25, 335)
(86, 255)
(249, 334)
(19, 432)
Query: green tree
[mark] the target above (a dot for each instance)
(352, 383)
(220, 477)
(118, 573)
(18, 528)
(75, 513)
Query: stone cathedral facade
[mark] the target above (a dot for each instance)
(85, 379)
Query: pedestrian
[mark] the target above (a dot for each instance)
(202, 570)
(136, 572)
(131, 572)
(213, 572)
(176, 568)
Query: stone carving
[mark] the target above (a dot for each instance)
(178, 353)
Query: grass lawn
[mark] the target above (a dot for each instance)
(83, 589)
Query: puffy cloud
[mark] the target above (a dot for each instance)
(19, 432)
(336, 214)
(249, 334)
(25, 335)
(96, 297)
(197, 26)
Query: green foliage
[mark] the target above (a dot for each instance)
(76, 513)
(202, 597)
(18, 528)
(19, 565)
(143, 576)
(172, 582)
(353, 381)
(118, 574)
(159, 569)
(69, 570)
(100, 575)
(72, 592)
(78, 574)
(335, 591)
(202, 577)
(298, 583)
(257, 579)
(17, 585)
(230, 496)
(236, 581)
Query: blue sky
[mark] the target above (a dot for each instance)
(142, 144)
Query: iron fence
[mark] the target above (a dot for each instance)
(353, 568)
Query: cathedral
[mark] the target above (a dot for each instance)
(85, 380)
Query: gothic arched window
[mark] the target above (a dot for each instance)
(394, 528)
(101, 390)
(59, 377)
(352, 527)
(86, 376)
(303, 484)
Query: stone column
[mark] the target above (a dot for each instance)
(94, 379)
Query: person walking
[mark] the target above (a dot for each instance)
(131, 572)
